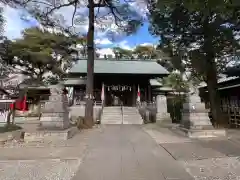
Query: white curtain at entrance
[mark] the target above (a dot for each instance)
(102, 93)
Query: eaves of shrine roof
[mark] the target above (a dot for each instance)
(146, 67)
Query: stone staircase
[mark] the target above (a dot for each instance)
(111, 115)
(118, 115)
(131, 116)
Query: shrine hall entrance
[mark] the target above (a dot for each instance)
(117, 96)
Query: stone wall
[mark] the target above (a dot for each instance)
(77, 110)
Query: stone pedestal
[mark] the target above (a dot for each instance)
(54, 122)
(55, 114)
(162, 115)
(195, 120)
(194, 114)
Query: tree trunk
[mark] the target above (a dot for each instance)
(213, 94)
(88, 121)
(211, 74)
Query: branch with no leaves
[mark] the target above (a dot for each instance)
(48, 20)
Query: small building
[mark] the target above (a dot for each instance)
(228, 89)
(119, 78)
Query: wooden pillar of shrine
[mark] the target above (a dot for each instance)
(145, 94)
(134, 95)
(149, 93)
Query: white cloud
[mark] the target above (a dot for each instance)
(105, 28)
(103, 41)
(140, 6)
(104, 23)
(13, 25)
(124, 44)
(149, 44)
(146, 44)
(107, 51)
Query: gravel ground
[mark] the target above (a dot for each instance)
(52, 169)
(214, 169)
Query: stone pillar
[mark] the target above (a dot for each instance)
(162, 114)
(55, 114)
(194, 114)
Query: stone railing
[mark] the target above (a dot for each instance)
(79, 110)
(148, 111)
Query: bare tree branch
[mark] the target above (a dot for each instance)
(74, 12)
(61, 6)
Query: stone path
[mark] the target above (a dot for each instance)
(164, 135)
(126, 152)
(209, 159)
(123, 152)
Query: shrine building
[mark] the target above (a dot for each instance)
(119, 79)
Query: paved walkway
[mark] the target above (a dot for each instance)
(124, 152)
(127, 152)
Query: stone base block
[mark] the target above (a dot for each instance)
(59, 122)
(196, 121)
(163, 118)
(206, 133)
(50, 135)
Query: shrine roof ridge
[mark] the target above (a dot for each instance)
(102, 66)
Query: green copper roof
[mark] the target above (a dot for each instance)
(74, 81)
(121, 67)
(155, 82)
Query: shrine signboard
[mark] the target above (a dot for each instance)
(118, 88)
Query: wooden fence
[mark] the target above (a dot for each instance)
(231, 108)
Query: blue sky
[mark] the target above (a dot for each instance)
(14, 26)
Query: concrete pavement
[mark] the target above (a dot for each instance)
(126, 152)
(123, 152)
(208, 159)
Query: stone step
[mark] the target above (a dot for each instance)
(106, 119)
(114, 122)
(134, 110)
(112, 113)
(106, 112)
(111, 117)
(131, 115)
(111, 121)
